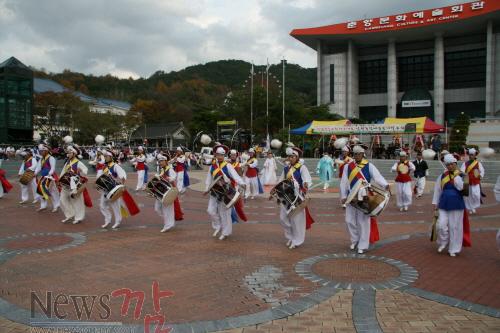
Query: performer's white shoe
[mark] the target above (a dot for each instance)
(23, 202)
(215, 232)
(66, 219)
(291, 247)
(34, 201)
(105, 225)
(353, 246)
(55, 209)
(288, 243)
(77, 221)
(406, 208)
(401, 209)
(441, 248)
(222, 237)
(361, 251)
(453, 254)
(116, 225)
(165, 229)
(41, 209)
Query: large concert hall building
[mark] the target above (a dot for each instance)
(437, 63)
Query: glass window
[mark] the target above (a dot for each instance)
(332, 83)
(465, 69)
(372, 76)
(416, 72)
(2, 112)
(24, 88)
(12, 87)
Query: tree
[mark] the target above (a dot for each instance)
(458, 134)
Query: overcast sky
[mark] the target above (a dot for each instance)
(138, 37)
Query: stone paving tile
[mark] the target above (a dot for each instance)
(400, 312)
(333, 315)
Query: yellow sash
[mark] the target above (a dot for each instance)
(219, 169)
(164, 170)
(292, 170)
(108, 166)
(357, 169)
(68, 165)
(445, 180)
(471, 166)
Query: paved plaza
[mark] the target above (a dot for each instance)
(250, 282)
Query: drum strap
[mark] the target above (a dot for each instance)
(292, 170)
(108, 169)
(164, 171)
(471, 166)
(70, 164)
(356, 172)
(27, 164)
(448, 177)
(219, 168)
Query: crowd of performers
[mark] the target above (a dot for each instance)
(233, 177)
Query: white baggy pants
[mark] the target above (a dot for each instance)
(403, 194)
(450, 229)
(358, 225)
(220, 215)
(72, 207)
(167, 213)
(294, 227)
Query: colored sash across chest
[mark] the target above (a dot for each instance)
(219, 169)
(358, 171)
(294, 173)
(28, 164)
(447, 179)
(110, 169)
(45, 166)
(472, 169)
(71, 166)
(164, 172)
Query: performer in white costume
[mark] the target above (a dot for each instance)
(475, 170)
(29, 163)
(403, 181)
(220, 215)
(358, 223)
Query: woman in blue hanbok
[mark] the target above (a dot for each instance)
(325, 170)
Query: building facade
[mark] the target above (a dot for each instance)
(437, 63)
(16, 101)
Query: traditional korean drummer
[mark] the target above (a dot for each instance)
(110, 208)
(359, 223)
(29, 165)
(166, 211)
(295, 226)
(72, 204)
(220, 215)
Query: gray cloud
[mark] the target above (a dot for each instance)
(132, 37)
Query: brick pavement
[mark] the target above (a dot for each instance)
(208, 276)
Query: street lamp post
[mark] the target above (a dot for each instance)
(267, 103)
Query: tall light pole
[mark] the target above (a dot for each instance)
(283, 94)
(267, 103)
(251, 105)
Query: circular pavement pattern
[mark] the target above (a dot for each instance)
(40, 242)
(390, 280)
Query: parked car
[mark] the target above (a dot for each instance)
(206, 155)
